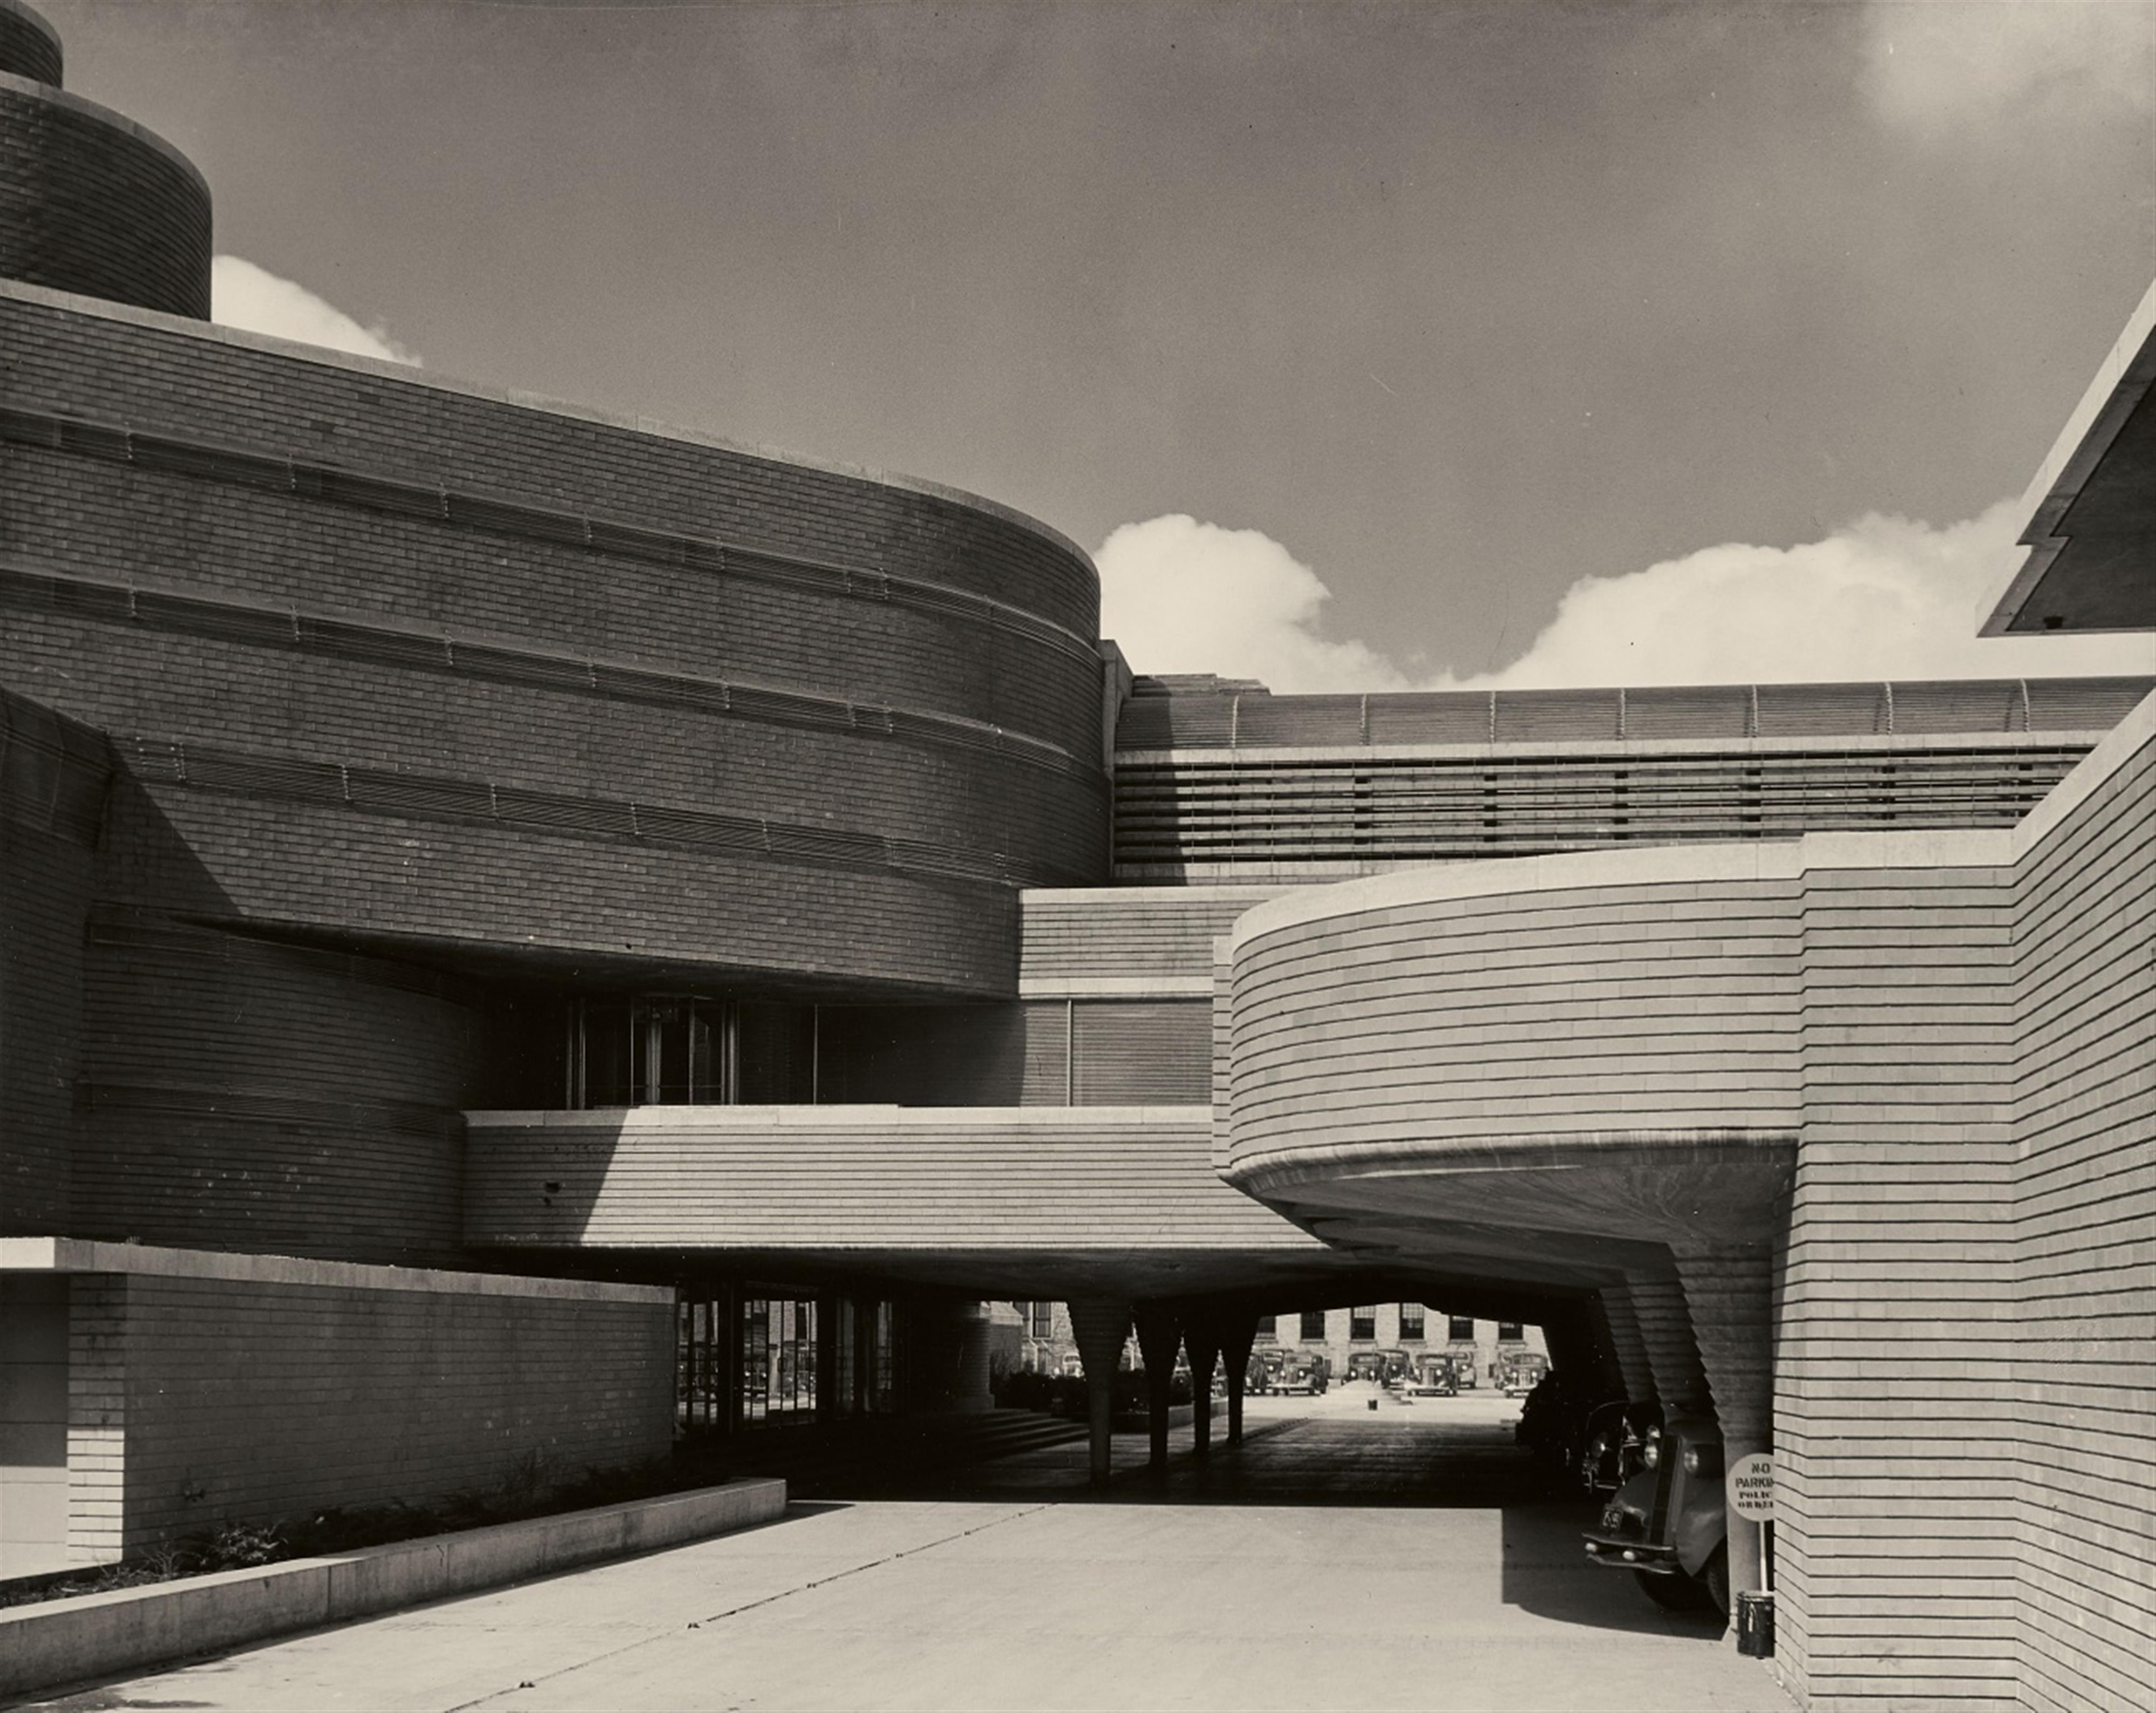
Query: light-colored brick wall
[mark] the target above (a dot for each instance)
(1574, 1010)
(1092, 1180)
(1895, 1529)
(2083, 1186)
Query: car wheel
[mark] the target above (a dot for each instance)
(1714, 1579)
(1676, 1593)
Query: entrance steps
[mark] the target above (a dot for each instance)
(857, 1454)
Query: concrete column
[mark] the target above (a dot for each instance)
(1201, 1339)
(1626, 1343)
(970, 1387)
(1159, 1335)
(1730, 1290)
(1238, 1332)
(1100, 1328)
(1658, 1303)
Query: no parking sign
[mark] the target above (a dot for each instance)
(1751, 1487)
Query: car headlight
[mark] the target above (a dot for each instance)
(1651, 1454)
(1703, 1460)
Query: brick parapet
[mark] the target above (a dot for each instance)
(91, 202)
(253, 1400)
(29, 46)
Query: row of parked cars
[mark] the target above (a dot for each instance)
(1415, 1374)
(1658, 1482)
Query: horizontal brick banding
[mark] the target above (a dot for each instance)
(417, 797)
(235, 1091)
(1129, 933)
(1360, 813)
(478, 607)
(2084, 1111)
(622, 911)
(30, 47)
(500, 516)
(809, 1178)
(340, 635)
(254, 1400)
(90, 203)
(1532, 1014)
(53, 773)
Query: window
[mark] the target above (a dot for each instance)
(1043, 1319)
(1461, 1328)
(1313, 1323)
(1362, 1323)
(883, 1359)
(1510, 1332)
(700, 1371)
(1410, 1323)
(778, 1360)
(688, 1051)
(1268, 1329)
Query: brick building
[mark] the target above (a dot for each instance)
(525, 933)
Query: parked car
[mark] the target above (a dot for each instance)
(1667, 1524)
(1463, 1368)
(1614, 1443)
(1519, 1375)
(1301, 1371)
(1380, 1367)
(1431, 1376)
(1262, 1374)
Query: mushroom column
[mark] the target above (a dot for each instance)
(1100, 1328)
(1730, 1289)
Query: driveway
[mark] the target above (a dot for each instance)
(1406, 1560)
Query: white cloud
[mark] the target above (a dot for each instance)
(253, 299)
(1884, 597)
(1946, 68)
(1181, 596)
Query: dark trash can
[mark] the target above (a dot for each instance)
(1755, 1626)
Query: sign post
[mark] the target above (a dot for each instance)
(1750, 1488)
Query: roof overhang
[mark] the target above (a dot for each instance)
(2091, 509)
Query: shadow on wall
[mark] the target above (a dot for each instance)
(236, 1089)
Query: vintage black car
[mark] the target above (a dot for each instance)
(1431, 1376)
(1614, 1442)
(1381, 1367)
(1667, 1525)
(1519, 1375)
(1303, 1371)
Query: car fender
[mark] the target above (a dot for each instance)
(1702, 1525)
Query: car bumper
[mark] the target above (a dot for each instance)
(1623, 1554)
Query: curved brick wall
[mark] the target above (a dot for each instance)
(543, 682)
(1519, 1002)
(30, 47)
(308, 1099)
(92, 203)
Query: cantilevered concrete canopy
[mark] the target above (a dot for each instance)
(2092, 507)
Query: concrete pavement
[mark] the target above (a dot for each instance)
(1333, 1562)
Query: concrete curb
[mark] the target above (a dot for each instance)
(96, 1635)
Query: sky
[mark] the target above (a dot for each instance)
(1366, 346)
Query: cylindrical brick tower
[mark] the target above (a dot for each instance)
(91, 202)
